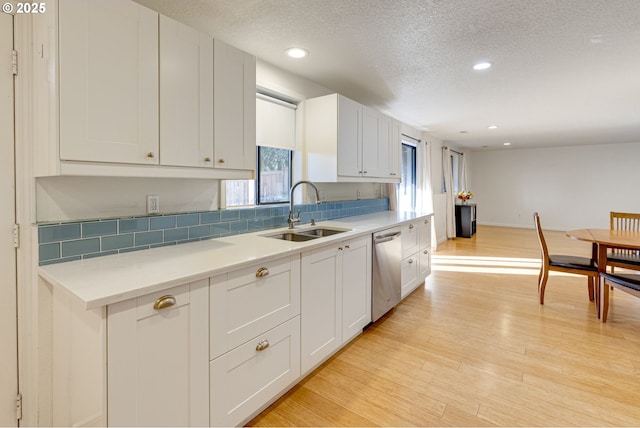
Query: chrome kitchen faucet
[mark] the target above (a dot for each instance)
(292, 220)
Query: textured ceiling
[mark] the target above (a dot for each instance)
(564, 71)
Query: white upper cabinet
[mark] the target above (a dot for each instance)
(186, 95)
(124, 91)
(343, 132)
(234, 108)
(347, 141)
(108, 82)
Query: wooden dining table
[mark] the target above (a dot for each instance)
(602, 240)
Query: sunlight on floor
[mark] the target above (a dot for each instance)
(475, 264)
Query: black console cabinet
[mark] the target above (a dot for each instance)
(465, 220)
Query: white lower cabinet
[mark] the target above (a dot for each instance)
(158, 358)
(249, 376)
(356, 287)
(409, 275)
(336, 298)
(321, 307)
(416, 253)
(255, 337)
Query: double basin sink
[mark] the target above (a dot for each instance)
(303, 235)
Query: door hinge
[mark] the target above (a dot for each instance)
(14, 62)
(19, 406)
(16, 236)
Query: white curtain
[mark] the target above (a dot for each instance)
(450, 201)
(424, 191)
(462, 173)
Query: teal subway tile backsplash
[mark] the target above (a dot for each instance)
(61, 242)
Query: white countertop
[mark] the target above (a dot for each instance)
(109, 279)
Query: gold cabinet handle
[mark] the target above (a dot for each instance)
(426, 222)
(410, 226)
(410, 261)
(150, 154)
(164, 302)
(262, 345)
(207, 159)
(262, 272)
(425, 252)
(347, 247)
(220, 160)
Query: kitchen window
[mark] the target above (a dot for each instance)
(272, 183)
(275, 137)
(407, 187)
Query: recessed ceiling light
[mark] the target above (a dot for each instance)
(492, 127)
(482, 66)
(297, 52)
(507, 144)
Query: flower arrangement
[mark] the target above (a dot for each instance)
(463, 195)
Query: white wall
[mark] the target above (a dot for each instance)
(571, 187)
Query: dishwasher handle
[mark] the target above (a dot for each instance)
(386, 237)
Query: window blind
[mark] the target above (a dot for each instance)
(275, 123)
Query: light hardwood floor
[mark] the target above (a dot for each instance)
(474, 348)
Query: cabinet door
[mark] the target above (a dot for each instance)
(321, 309)
(409, 239)
(409, 274)
(395, 147)
(370, 143)
(186, 95)
(158, 359)
(244, 379)
(108, 82)
(234, 108)
(424, 264)
(356, 287)
(349, 137)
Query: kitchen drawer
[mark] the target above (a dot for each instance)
(249, 301)
(409, 274)
(409, 239)
(246, 378)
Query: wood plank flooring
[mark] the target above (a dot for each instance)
(474, 348)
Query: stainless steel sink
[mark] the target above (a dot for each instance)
(295, 237)
(306, 234)
(322, 231)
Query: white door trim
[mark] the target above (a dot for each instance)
(8, 288)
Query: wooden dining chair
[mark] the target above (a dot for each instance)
(620, 257)
(563, 263)
(629, 283)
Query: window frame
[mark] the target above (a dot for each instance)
(257, 180)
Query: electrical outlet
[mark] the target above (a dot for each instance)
(153, 204)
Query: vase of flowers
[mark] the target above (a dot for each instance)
(465, 195)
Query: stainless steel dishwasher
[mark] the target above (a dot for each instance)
(387, 253)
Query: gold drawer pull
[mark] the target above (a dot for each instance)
(410, 261)
(150, 154)
(220, 160)
(262, 272)
(164, 302)
(426, 222)
(425, 252)
(411, 226)
(207, 159)
(262, 345)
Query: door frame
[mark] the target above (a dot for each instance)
(8, 284)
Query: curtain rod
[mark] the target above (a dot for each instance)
(461, 154)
